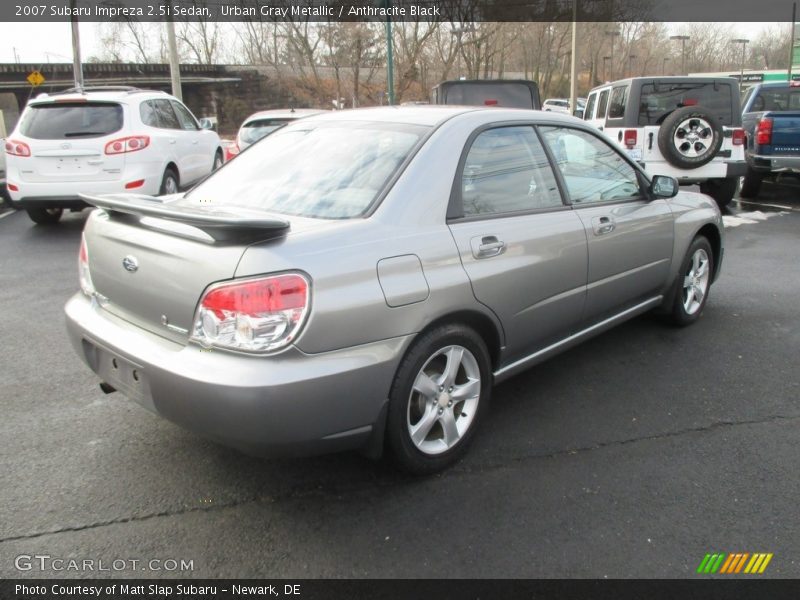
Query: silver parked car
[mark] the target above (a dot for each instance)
(392, 265)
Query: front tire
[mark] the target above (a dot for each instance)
(438, 398)
(721, 190)
(693, 283)
(218, 161)
(45, 216)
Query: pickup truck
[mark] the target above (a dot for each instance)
(771, 120)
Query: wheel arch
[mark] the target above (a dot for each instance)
(482, 324)
(712, 234)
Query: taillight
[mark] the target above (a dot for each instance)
(764, 131)
(253, 315)
(128, 144)
(12, 187)
(84, 276)
(491, 102)
(17, 148)
(630, 138)
(738, 137)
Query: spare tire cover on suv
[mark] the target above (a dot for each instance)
(690, 137)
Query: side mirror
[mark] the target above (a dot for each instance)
(663, 186)
(206, 124)
(578, 112)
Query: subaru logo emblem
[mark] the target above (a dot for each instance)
(130, 263)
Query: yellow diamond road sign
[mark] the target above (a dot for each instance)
(35, 78)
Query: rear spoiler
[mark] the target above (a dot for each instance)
(218, 224)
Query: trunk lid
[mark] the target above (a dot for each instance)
(150, 261)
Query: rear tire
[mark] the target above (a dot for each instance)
(438, 397)
(751, 183)
(170, 184)
(721, 190)
(44, 216)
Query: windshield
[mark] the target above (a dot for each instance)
(325, 170)
(252, 131)
(66, 120)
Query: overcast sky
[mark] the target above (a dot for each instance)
(40, 43)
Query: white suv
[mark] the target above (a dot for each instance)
(104, 141)
(689, 128)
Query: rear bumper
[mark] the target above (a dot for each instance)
(287, 404)
(718, 170)
(63, 194)
(774, 164)
(72, 202)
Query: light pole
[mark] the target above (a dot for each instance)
(389, 55)
(458, 32)
(664, 65)
(683, 39)
(743, 42)
(631, 58)
(613, 34)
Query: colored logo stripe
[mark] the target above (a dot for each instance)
(725, 563)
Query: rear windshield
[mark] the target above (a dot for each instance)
(252, 131)
(328, 170)
(658, 101)
(65, 120)
(510, 95)
(776, 99)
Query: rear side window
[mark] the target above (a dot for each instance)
(588, 112)
(619, 97)
(65, 120)
(658, 101)
(506, 170)
(510, 95)
(602, 104)
(776, 100)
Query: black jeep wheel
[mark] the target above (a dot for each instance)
(690, 137)
(751, 184)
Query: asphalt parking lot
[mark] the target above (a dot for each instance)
(632, 455)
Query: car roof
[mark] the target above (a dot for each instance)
(101, 96)
(665, 79)
(435, 115)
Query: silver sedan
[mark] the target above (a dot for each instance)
(363, 278)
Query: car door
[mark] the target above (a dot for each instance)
(201, 150)
(523, 249)
(630, 236)
(177, 139)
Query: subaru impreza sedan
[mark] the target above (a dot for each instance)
(361, 280)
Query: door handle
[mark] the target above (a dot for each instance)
(603, 225)
(487, 246)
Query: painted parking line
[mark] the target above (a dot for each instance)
(778, 206)
(4, 215)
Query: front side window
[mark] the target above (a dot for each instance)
(66, 120)
(185, 118)
(506, 170)
(327, 171)
(593, 171)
